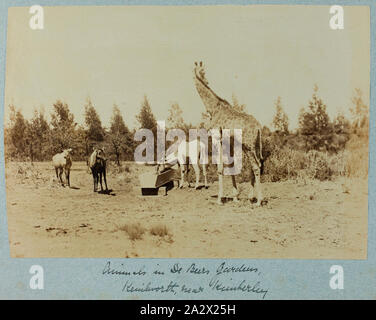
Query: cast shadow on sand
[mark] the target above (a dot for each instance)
(190, 187)
(200, 187)
(108, 192)
(231, 199)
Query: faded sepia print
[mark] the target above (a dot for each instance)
(188, 132)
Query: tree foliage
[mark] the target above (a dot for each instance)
(281, 120)
(94, 130)
(314, 124)
(119, 137)
(146, 117)
(360, 114)
(175, 117)
(37, 136)
(17, 133)
(62, 128)
(38, 139)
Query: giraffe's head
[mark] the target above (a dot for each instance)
(200, 72)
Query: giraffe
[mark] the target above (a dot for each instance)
(220, 114)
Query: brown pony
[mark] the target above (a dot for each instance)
(97, 165)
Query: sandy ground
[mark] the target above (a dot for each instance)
(308, 220)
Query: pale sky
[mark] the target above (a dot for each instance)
(118, 54)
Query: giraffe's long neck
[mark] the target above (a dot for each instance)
(210, 99)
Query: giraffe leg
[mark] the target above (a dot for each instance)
(220, 183)
(196, 168)
(251, 193)
(235, 189)
(256, 172)
(220, 173)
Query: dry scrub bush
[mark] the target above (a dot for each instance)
(159, 230)
(288, 164)
(162, 232)
(356, 164)
(135, 231)
(285, 164)
(29, 173)
(114, 169)
(122, 174)
(356, 158)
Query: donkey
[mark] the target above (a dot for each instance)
(192, 152)
(97, 165)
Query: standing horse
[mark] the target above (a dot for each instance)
(97, 165)
(63, 162)
(192, 152)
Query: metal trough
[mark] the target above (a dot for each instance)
(153, 183)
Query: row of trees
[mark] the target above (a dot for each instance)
(316, 131)
(37, 139)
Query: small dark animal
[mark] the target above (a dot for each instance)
(97, 165)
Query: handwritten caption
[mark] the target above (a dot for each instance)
(191, 278)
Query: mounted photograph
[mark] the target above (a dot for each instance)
(187, 131)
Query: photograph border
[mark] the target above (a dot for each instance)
(83, 278)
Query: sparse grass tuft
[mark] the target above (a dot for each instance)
(135, 231)
(114, 169)
(285, 164)
(162, 232)
(159, 230)
(356, 158)
(346, 187)
(27, 172)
